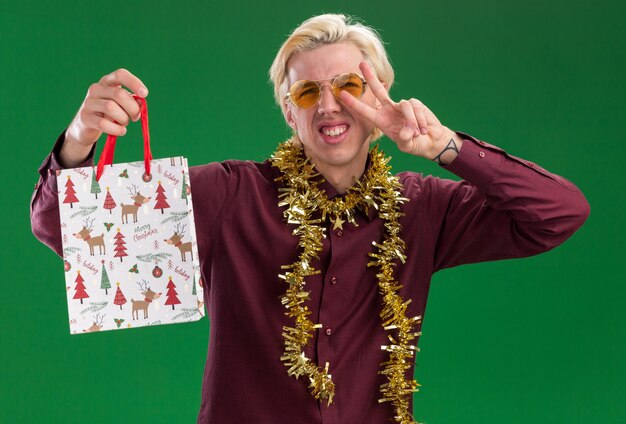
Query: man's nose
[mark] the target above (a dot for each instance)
(328, 103)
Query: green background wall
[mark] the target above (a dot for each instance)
(537, 340)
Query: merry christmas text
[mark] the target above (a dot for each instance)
(143, 232)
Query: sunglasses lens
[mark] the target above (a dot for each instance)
(350, 83)
(304, 94)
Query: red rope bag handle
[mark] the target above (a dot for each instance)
(106, 158)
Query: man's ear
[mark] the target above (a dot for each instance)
(288, 116)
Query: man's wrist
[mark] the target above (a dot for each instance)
(72, 153)
(447, 148)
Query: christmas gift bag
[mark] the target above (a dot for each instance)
(129, 242)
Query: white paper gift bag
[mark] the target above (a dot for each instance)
(129, 242)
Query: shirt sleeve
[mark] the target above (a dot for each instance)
(505, 207)
(44, 204)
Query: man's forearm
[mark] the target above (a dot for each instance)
(505, 207)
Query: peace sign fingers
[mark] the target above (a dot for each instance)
(377, 87)
(370, 113)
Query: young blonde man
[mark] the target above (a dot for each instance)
(316, 258)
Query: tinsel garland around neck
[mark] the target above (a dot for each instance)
(307, 208)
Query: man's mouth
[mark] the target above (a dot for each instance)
(334, 130)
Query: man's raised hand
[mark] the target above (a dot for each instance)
(108, 108)
(409, 123)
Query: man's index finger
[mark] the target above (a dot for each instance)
(125, 78)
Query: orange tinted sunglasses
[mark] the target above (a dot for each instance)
(306, 93)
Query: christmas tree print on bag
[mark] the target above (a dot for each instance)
(130, 253)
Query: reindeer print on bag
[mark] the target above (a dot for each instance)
(142, 305)
(176, 240)
(85, 234)
(97, 324)
(132, 209)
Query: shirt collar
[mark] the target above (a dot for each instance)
(331, 192)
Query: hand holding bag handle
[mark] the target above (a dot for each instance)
(106, 158)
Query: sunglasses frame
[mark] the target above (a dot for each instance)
(319, 86)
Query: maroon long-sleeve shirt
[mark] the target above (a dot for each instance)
(505, 207)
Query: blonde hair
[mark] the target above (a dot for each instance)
(329, 29)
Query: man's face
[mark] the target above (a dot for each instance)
(333, 138)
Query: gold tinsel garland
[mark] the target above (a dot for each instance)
(377, 189)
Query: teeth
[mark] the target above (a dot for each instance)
(335, 131)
